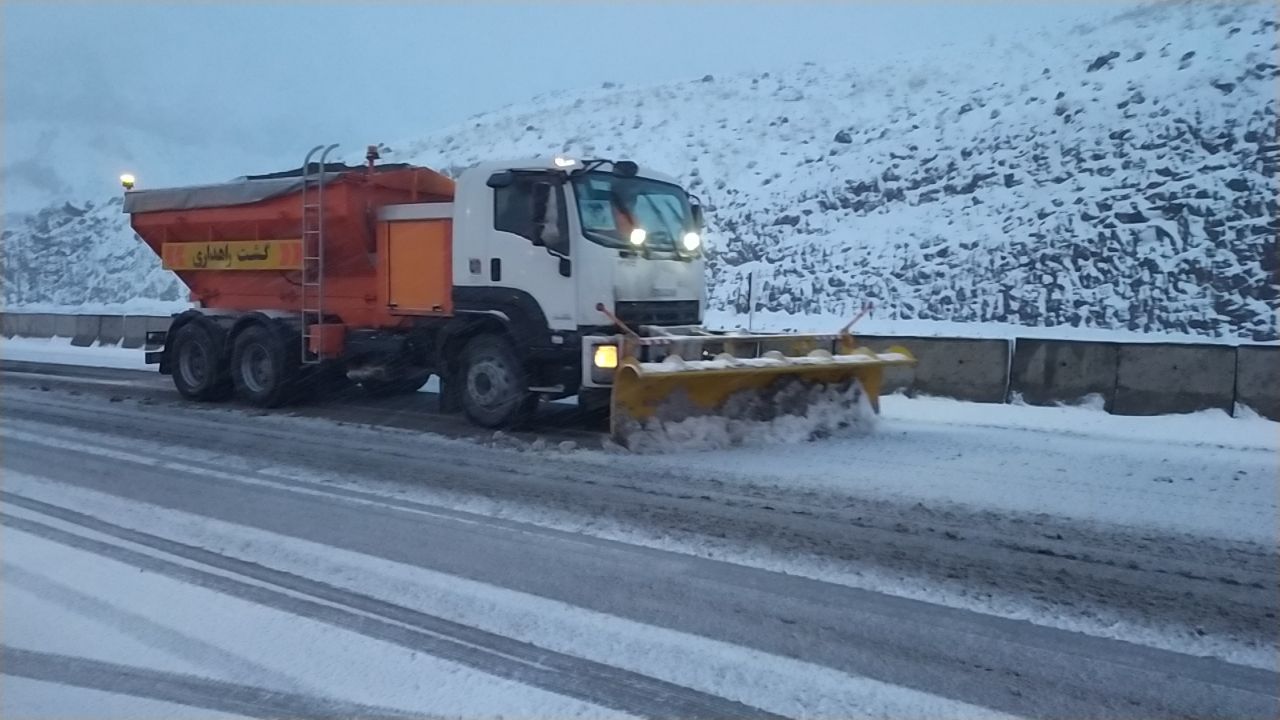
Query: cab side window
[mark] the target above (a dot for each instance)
(513, 212)
(511, 207)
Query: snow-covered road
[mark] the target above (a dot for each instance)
(167, 560)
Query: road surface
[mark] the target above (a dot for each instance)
(336, 561)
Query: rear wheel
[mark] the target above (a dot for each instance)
(495, 387)
(262, 369)
(199, 368)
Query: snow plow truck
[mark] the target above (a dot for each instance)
(517, 282)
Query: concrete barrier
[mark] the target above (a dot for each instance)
(135, 331)
(9, 322)
(21, 324)
(111, 330)
(1258, 379)
(87, 329)
(158, 322)
(976, 370)
(1159, 378)
(59, 325)
(1047, 372)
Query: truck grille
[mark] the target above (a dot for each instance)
(658, 312)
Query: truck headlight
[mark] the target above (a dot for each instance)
(691, 241)
(605, 357)
(638, 236)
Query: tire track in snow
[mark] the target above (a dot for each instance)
(178, 688)
(503, 657)
(892, 641)
(1216, 587)
(147, 631)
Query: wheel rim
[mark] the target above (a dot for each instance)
(256, 371)
(490, 383)
(193, 363)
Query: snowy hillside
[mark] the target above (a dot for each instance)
(1119, 176)
(68, 257)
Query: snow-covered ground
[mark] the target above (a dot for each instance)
(72, 603)
(1206, 473)
(141, 621)
(60, 351)
(1075, 465)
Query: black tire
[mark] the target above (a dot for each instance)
(199, 363)
(264, 371)
(594, 406)
(406, 384)
(494, 384)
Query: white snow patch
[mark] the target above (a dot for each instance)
(60, 351)
(335, 663)
(789, 413)
(26, 698)
(1202, 473)
(1089, 419)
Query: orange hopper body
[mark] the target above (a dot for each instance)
(248, 256)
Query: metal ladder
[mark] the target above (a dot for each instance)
(313, 249)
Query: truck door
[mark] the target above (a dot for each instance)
(532, 259)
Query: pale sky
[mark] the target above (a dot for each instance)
(192, 92)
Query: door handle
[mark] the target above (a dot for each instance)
(495, 269)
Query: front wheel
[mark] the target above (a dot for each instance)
(262, 369)
(495, 387)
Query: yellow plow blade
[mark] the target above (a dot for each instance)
(732, 401)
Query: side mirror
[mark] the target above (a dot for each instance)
(501, 179)
(699, 221)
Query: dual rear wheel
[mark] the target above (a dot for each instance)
(260, 369)
(266, 371)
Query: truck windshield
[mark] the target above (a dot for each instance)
(610, 207)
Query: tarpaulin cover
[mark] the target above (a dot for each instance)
(237, 192)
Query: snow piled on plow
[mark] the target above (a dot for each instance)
(787, 412)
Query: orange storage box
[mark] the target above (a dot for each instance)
(238, 246)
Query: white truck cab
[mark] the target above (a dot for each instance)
(544, 243)
(583, 248)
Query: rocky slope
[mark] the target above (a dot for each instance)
(82, 256)
(1120, 175)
